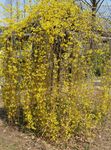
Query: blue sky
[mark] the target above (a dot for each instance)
(104, 1)
(106, 10)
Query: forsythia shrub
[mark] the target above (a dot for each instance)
(46, 69)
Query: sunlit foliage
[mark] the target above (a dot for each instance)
(48, 69)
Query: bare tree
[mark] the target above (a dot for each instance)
(10, 6)
(24, 9)
(94, 5)
(17, 10)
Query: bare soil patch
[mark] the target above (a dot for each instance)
(103, 138)
(13, 139)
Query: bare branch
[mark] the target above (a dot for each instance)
(85, 2)
(99, 5)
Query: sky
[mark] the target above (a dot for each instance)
(105, 9)
(109, 1)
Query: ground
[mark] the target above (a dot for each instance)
(13, 139)
(103, 138)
